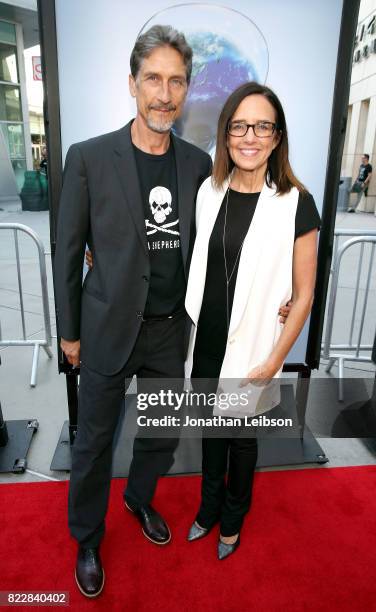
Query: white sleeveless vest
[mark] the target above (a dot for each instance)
(264, 279)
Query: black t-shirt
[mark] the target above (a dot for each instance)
(364, 171)
(212, 330)
(158, 183)
(43, 166)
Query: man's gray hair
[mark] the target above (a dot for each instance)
(160, 36)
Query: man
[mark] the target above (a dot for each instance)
(130, 196)
(360, 186)
(43, 166)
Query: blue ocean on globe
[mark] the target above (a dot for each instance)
(218, 68)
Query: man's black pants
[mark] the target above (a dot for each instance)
(157, 354)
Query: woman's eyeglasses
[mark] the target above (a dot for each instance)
(262, 129)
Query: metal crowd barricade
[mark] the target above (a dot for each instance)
(350, 351)
(37, 343)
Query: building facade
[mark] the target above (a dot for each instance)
(361, 120)
(18, 31)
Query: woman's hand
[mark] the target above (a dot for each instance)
(89, 258)
(262, 374)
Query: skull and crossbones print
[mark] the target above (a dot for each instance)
(160, 201)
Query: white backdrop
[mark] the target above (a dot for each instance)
(292, 45)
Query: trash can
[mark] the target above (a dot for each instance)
(343, 193)
(32, 193)
(44, 186)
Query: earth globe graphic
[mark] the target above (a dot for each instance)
(228, 50)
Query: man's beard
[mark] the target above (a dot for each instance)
(161, 125)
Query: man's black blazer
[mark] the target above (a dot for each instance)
(101, 206)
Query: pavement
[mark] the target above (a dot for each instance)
(47, 402)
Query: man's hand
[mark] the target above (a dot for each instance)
(284, 311)
(89, 258)
(71, 350)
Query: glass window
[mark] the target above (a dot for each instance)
(10, 103)
(8, 63)
(7, 32)
(14, 138)
(19, 168)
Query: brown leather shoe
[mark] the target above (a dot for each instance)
(89, 572)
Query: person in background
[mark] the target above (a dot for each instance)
(255, 248)
(360, 186)
(43, 166)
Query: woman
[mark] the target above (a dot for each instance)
(255, 247)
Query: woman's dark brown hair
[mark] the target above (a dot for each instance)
(279, 170)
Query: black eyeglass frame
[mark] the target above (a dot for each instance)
(252, 125)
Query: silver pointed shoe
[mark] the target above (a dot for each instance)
(196, 532)
(225, 550)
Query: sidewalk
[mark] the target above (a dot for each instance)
(47, 402)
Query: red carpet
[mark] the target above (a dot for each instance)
(309, 543)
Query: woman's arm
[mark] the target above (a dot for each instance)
(89, 258)
(303, 285)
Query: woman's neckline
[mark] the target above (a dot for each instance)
(245, 193)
